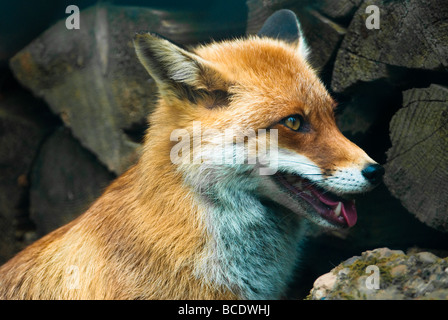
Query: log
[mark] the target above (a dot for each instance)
(92, 78)
(413, 34)
(417, 162)
(322, 35)
(340, 11)
(65, 180)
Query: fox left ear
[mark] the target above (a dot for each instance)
(177, 72)
(284, 25)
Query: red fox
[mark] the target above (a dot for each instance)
(193, 229)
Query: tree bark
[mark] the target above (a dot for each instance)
(413, 34)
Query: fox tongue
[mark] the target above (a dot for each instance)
(349, 212)
(348, 208)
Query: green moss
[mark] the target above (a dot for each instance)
(344, 295)
(348, 289)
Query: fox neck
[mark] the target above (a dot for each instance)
(253, 246)
(250, 246)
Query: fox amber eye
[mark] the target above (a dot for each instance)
(293, 122)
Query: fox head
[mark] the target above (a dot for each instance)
(260, 87)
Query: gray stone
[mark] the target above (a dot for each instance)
(400, 276)
(23, 126)
(427, 257)
(93, 80)
(65, 180)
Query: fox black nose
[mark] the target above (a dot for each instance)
(373, 173)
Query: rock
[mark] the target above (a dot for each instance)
(417, 162)
(399, 270)
(351, 261)
(426, 257)
(24, 123)
(400, 276)
(92, 78)
(66, 178)
(323, 285)
(412, 35)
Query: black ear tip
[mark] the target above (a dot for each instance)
(282, 24)
(140, 35)
(284, 15)
(143, 37)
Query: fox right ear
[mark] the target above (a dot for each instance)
(284, 25)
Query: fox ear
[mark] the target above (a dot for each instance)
(284, 25)
(174, 69)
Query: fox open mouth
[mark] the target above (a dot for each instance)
(336, 210)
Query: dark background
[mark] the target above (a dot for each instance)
(21, 21)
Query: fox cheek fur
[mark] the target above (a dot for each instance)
(184, 230)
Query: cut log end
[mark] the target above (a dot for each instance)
(417, 167)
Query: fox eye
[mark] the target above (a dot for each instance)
(293, 122)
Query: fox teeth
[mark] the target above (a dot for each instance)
(337, 211)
